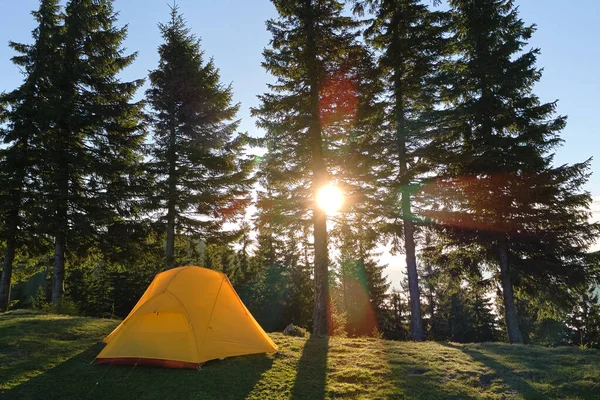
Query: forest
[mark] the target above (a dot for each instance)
(418, 118)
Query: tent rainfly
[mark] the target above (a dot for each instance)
(187, 316)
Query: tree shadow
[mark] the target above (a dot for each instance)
(311, 374)
(513, 380)
(45, 384)
(546, 361)
(32, 343)
(414, 377)
(77, 378)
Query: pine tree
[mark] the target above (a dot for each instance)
(300, 292)
(410, 40)
(585, 320)
(457, 305)
(395, 323)
(25, 114)
(243, 254)
(504, 200)
(362, 283)
(279, 284)
(92, 148)
(222, 258)
(264, 294)
(430, 274)
(483, 323)
(308, 54)
(202, 179)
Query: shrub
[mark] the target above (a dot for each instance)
(40, 300)
(293, 330)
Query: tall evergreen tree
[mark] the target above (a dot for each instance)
(503, 198)
(26, 115)
(202, 178)
(92, 148)
(410, 39)
(311, 44)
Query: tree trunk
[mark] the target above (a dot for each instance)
(12, 224)
(431, 299)
(416, 323)
(321, 308)
(59, 268)
(430, 287)
(321, 314)
(510, 310)
(171, 201)
(170, 249)
(9, 256)
(62, 226)
(344, 276)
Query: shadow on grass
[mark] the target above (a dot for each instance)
(538, 362)
(515, 382)
(32, 343)
(311, 375)
(76, 378)
(413, 376)
(35, 325)
(45, 383)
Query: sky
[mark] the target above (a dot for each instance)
(233, 33)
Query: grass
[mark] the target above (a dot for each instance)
(48, 356)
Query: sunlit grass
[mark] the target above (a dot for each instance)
(48, 356)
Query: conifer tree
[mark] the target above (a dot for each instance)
(243, 254)
(281, 259)
(395, 322)
(202, 178)
(483, 323)
(504, 200)
(310, 46)
(264, 293)
(92, 148)
(410, 40)
(26, 113)
(584, 320)
(362, 283)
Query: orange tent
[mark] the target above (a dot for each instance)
(187, 316)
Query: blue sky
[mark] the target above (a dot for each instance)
(233, 32)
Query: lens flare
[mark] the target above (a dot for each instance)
(330, 199)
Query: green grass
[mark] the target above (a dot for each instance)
(48, 357)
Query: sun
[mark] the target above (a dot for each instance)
(330, 199)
